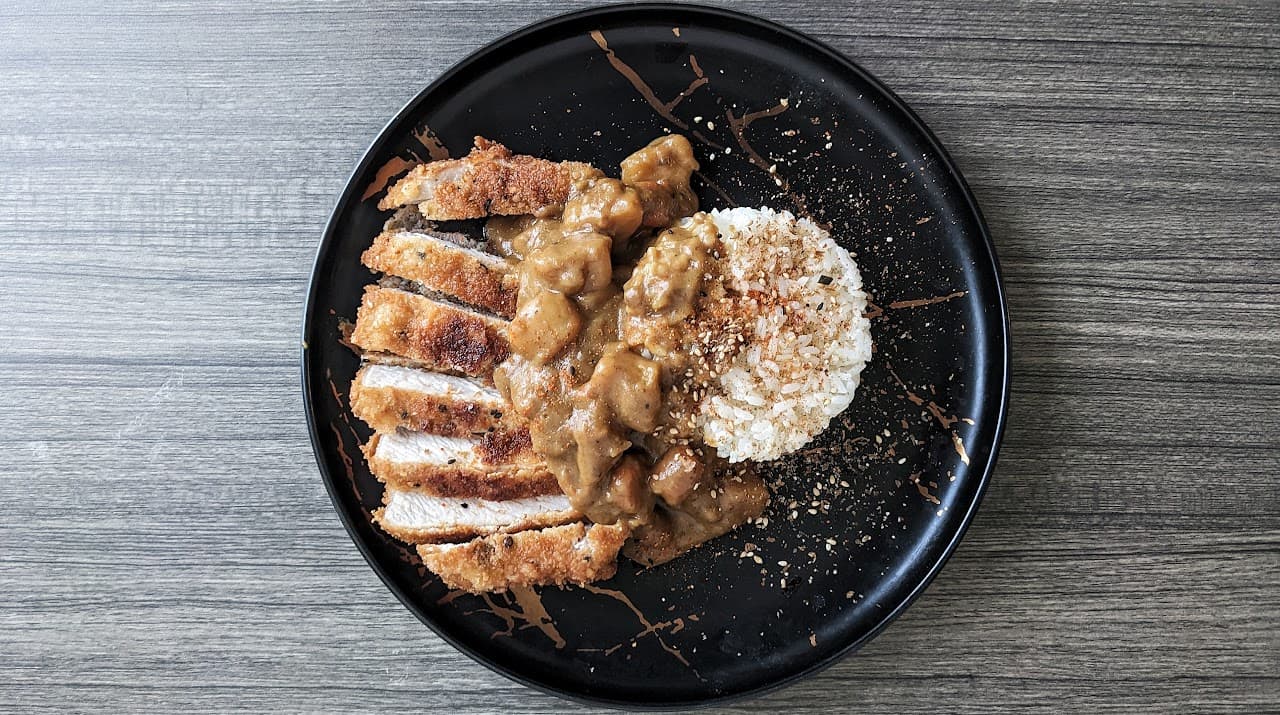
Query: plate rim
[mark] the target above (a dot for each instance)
(704, 12)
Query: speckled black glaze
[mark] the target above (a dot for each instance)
(791, 125)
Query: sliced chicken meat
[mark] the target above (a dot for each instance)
(419, 518)
(498, 466)
(391, 397)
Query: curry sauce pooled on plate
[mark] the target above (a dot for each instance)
(596, 356)
(655, 353)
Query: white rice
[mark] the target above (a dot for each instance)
(800, 362)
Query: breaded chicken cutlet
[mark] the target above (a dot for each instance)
(573, 553)
(436, 334)
(455, 460)
(419, 518)
(497, 466)
(394, 397)
(489, 181)
(446, 264)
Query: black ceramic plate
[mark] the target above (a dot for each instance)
(779, 120)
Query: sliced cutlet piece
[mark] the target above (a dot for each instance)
(441, 265)
(490, 181)
(419, 518)
(498, 466)
(391, 397)
(436, 334)
(573, 553)
(409, 218)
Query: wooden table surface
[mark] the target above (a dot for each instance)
(165, 171)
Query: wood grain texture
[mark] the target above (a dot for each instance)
(167, 543)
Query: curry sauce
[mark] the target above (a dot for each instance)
(608, 291)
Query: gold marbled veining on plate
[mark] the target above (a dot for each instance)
(737, 125)
(392, 168)
(649, 628)
(945, 420)
(921, 302)
(522, 609)
(396, 166)
(428, 139)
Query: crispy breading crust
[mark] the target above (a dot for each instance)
(519, 475)
(447, 533)
(435, 334)
(508, 447)
(386, 409)
(492, 484)
(573, 553)
(489, 181)
(441, 266)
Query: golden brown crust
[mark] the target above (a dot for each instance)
(521, 476)
(435, 334)
(507, 446)
(386, 409)
(448, 533)
(573, 553)
(495, 484)
(443, 267)
(489, 181)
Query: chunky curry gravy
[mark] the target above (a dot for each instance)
(600, 352)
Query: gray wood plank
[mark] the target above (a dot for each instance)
(175, 162)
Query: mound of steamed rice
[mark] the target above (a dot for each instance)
(798, 362)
